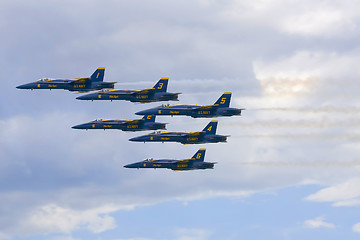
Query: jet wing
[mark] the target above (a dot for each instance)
(184, 161)
(131, 122)
(144, 91)
(195, 134)
(206, 107)
(80, 80)
(118, 91)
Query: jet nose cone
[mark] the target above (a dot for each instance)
(135, 139)
(80, 126)
(25, 86)
(91, 96)
(140, 139)
(145, 112)
(132, 165)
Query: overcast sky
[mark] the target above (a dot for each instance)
(290, 169)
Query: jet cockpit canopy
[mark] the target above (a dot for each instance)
(42, 79)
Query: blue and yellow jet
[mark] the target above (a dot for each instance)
(194, 163)
(207, 135)
(219, 108)
(154, 94)
(146, 123)
(85, 84)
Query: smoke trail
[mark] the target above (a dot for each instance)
(344, 137)
(347, 164)
(324, 123)
(345, 110)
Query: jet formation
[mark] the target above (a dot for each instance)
(154, 94)
(207, 135)
(196, 162)
(85, 84)
(146, 123)
(218, 109)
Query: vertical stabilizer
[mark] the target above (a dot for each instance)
(161, 85)
(224, 100)
(98, 75)
(211, 127)
(149, 118)
(199, 156)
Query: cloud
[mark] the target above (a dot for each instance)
(301, 96)
(55, 219)
(192, 234)
(183, 234)
(356, 228)
(318, 223)
(4, 236)
(64, 237)
(343, 194)
(322, 19)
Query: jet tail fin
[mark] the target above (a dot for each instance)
(98, 75)
(161, 85)
(211, 127)
(199, 156)
(224, 100)
(149, 118)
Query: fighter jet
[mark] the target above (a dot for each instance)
(196, 162)
(146, 123)
(219, 108)
(207, 135)
(85, 84)
(155, 94)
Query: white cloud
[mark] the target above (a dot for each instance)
(192, 234)
(306, 18)
(55, 219)
(356, 227)
(183, 234)
(343, 194)
(64, 238)
(309, 64)
(318, 223)
(294, 124)
(4, 236)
